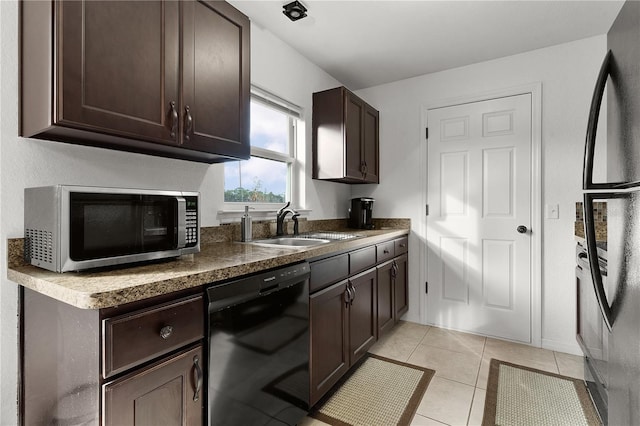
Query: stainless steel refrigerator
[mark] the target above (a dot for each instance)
(618, 292)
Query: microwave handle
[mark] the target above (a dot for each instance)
(181, 229)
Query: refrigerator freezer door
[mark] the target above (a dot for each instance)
(623, 97)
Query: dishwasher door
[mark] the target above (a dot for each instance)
(259, 349)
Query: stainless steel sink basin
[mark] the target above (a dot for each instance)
(291, 241)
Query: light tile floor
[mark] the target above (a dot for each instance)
(456, 393)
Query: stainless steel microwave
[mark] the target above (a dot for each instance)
(71, 228)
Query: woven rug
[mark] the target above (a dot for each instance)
(518, 395)
(379, 392)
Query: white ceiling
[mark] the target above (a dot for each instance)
(372, 42)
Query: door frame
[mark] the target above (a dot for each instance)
(535, 89)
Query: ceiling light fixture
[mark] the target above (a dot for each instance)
(295, 10)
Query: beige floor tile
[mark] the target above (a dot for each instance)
(396, 346)
(459, 366)
(411, 328)
(483, 374)
(446, 401)
(517, 353)
(570, 365)
(419, 420)
(454, 341)
(477, 407)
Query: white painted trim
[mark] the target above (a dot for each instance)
(554, 345)
(535, 89)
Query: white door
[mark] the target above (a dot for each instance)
(479, 193)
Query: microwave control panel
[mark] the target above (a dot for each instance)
(192, 221)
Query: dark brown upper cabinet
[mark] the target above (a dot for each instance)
(345, 138)
(167, 78)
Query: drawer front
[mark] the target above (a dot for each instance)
(328, 271)
(362, 259)
(140, 336)
(401, 246)
(385, 251)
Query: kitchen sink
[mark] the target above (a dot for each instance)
(305, 240)
(291, 241)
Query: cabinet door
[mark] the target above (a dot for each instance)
(216, 80)
(167, 393)
(362, 314)
(119, 63)
(370, 141)
(400, 283)
(354, 113)
(386, 308)
(329, 347)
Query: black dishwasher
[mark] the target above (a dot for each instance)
(259, 348)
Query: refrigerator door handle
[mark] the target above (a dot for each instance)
(592, 126)
(592, 250)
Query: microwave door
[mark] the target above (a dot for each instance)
(159, 218)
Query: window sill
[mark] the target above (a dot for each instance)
(231, 216)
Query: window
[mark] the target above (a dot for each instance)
(267, 176)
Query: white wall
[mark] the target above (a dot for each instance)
(567, 73)
(25, 163)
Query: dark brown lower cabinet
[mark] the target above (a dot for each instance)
(386, 310)
(328, 312)
(363, 308)
(393, 299)
(166, 393)
(343, 328)
(355, 298)
(401, 284)
(135, 364)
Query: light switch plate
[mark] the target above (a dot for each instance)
(552, 211)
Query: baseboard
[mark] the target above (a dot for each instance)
(568, 348)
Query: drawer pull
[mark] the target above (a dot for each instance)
(403, 245)
(197, 377)
(166, 331)
(386, 251)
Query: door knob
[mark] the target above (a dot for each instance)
(521, 229)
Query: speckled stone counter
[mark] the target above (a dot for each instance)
(217, 261)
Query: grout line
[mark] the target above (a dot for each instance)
(556, 361)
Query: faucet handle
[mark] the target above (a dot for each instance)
(279, 212)
(295, 223)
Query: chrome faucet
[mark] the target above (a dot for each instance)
(280, 215)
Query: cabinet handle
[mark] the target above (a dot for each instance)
(188, 123)
(173, 113)
(197, 376)
(394, 269)
(353, 289)
(347, 296)
(403, 245)
(385, 251)
(166, 331)
(365, 169)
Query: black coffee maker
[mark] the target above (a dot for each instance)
(361, 213)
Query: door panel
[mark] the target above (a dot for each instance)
(215, 119)
(166, 393)
(329, 352)
(353, 131)
(139, 59)
(479, 192)
(362, 315)
(385, 298)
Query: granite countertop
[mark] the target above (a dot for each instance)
(216, 261)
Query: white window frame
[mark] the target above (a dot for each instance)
(233, 210)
